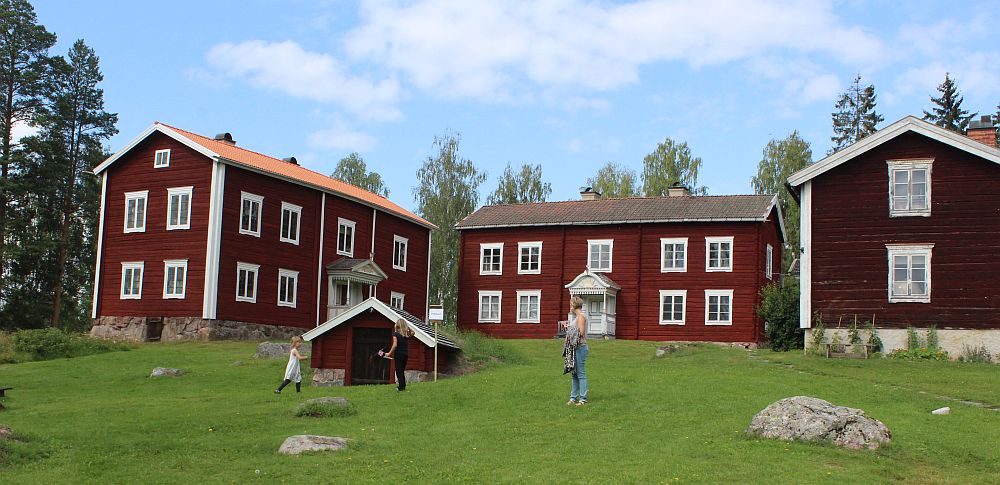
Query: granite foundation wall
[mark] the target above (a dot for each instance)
(188, 328)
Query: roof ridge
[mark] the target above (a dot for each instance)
(639, 197)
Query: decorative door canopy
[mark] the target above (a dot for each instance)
(356, 270)
(590, 283)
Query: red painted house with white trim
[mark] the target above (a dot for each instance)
(200, 238)
(904, 226)
(682, 267)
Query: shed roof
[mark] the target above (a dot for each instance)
(267, 165)
(421, 330)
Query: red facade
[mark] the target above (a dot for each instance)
(851, 227)
(636, 268)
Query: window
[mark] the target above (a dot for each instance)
(672, 303)
(491, 259)
(250, 206)
(600, 254)
(769, 262)
(246, 282)
(345, 237)
(174, 278)
(288, 283)
(718, 307)
(399, 244)
(179, 208)
(132, 281)
(673, 255)
(135, 211)
(909, 272)
(719, 253)
(291, 214)
(528, 302)
(489, 306)
(161, 159)
(396, 300)
(909, 187)
(530, 257)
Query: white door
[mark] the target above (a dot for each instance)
(595, 315)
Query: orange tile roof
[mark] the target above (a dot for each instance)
(288, 170)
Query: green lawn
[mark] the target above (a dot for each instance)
(679, 419)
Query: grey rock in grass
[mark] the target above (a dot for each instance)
(666, 349)
(166, 372)
(278, 350)
(940, 411)
(6, 433)
(332, 401)
(804, 418)
(303, 443)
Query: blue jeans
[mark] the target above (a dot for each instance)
(579, 387)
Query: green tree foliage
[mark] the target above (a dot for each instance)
(352, 169)
(447, 190)
(614, 180)
(670, 163)
(779, 308)
(522, 187)
(996, 121)
(23, 60)
(781, 159)
(855, 116)
(947, 111)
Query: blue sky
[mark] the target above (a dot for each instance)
(569, 84)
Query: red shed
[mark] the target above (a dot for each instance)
(345, 348)
(902, 227)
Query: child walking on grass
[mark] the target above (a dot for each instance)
(293, 371)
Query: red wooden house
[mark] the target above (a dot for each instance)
(200, 238)
(903, 226)
(661, 268)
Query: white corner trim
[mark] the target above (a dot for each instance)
(371, 252)
(210, 294)
(427, 276)
(805, 256)
(319, 260)
(100, 245)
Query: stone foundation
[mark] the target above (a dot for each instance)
(951, 340)
(328, 377)
(188, 328)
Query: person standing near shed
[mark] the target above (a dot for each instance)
(400, 351)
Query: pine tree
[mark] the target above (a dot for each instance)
(447, 191)
(670, 163)
(855, 117)
(947, 112)
(996, 122)
(522, 187)
(781, 158)
(614, 180)
(352, 169)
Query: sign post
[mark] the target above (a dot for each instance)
(435, 313)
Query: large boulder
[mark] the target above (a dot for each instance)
(804, 418)
(166, 372)
(298, 444)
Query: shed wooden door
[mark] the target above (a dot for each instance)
(366, 366)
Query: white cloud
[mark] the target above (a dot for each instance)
(288, 68)
(800, 81)
(341, 137)
(21, 130)
(486, 49)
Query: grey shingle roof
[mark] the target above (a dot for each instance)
(426, 327)
(631, 210)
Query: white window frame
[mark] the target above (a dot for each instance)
(249, 268)
(521, 246)
(528, 294)
(769, 262)
(142, 195)
(479, 307)
(175, 264)
(393, 296)
(294, 276)
(482, 254)
(254, 199)
(684, 300)
(719, 293)
(179, 192)
(341, 225)
(611, 254)
(909, 166)
(400, 245)
(708, 253)
(289, 209)
(137, 293)
(925, 250)
(663, 260)
(157, 159)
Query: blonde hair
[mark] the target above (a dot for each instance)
(403, 328)
(576, 302)
(296, 340)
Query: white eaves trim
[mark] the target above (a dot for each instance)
(369, 304)
(910, 123)
(149, 131)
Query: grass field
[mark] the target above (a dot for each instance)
(679, 419)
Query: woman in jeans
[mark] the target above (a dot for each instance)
(578, 390)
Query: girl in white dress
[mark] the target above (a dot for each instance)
(293, 371)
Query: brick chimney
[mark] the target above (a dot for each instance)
(588, 193)
(678, 189)
(983, 130)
